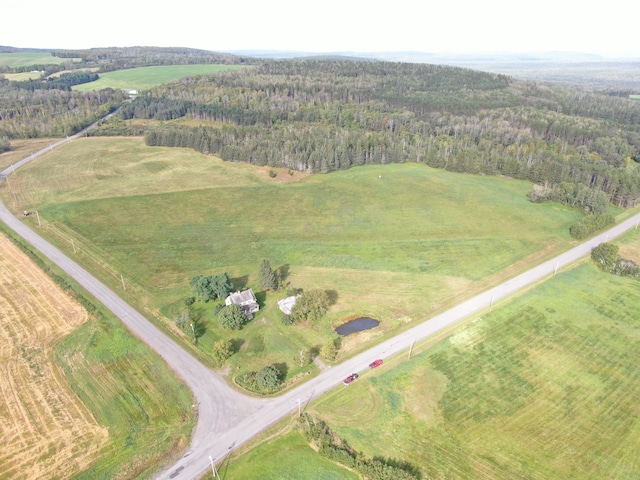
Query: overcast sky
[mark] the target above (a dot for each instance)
(328, 25)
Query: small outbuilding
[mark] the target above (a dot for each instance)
(286, 304)
(246, 299)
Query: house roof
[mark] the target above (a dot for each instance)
(241, 298)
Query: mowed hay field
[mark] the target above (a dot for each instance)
(144, 78)
(396, 242)
(45, 430)
(21, 59)
(543, 387)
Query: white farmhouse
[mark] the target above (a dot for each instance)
(246, 299)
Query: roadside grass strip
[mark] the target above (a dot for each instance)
(544, 387)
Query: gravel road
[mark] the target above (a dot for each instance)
(227, 418)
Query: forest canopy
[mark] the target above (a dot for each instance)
(325, 115)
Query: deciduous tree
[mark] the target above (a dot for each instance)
(605, 256)
(268, 378)
(210, 287)
(310, 306)
(221, 351)
(232, 317)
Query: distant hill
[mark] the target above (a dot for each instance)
(586, 70)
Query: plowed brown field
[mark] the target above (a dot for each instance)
(45, 430)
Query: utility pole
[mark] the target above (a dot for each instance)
(38, 215)
(299, 410)
(213, 468)
(124, 287)
(411, 349)
(73, 246)
(491, 304)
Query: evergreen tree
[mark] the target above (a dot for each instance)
(267, 278)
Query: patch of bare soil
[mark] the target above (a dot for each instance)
(45, 430)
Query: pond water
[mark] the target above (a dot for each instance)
(357, 325)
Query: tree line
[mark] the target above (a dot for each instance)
(62, 82)
(319, 116)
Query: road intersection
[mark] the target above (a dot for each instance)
(227, 418)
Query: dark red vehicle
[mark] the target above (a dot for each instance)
(375, 364)
(350, 378)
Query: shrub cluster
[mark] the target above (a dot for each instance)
(266, 381)
(331, 446)
(606, 257)
(590, 224)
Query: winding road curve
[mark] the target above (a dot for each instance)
(226, 418)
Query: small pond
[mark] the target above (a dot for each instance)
(357, 325)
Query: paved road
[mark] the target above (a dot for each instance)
(227, 419)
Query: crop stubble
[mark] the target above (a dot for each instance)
(45, 430)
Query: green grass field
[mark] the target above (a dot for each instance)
(21, 77)
(24, 59)
(133, 393)
(396, 242)
(291, 450)
(129, 390)
(544, 387)
(144, 78)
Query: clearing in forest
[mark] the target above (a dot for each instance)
(45, 430)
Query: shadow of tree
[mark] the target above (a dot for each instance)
(240, 282)
(314, 351)
(261, 297)
(236, 344)
(283, 369)
(283, 272)
(333, 296)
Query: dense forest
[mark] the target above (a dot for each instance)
(46, 107)
(324, 115)
(320, 115)
(53, 112)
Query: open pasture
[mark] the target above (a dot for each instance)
(144, 78)
(45, 429)
(397, 242)
(21, 77)
(21, 148)
(543, 387)
(24, 59)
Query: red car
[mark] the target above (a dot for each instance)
(375, 364)
(350, 378)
